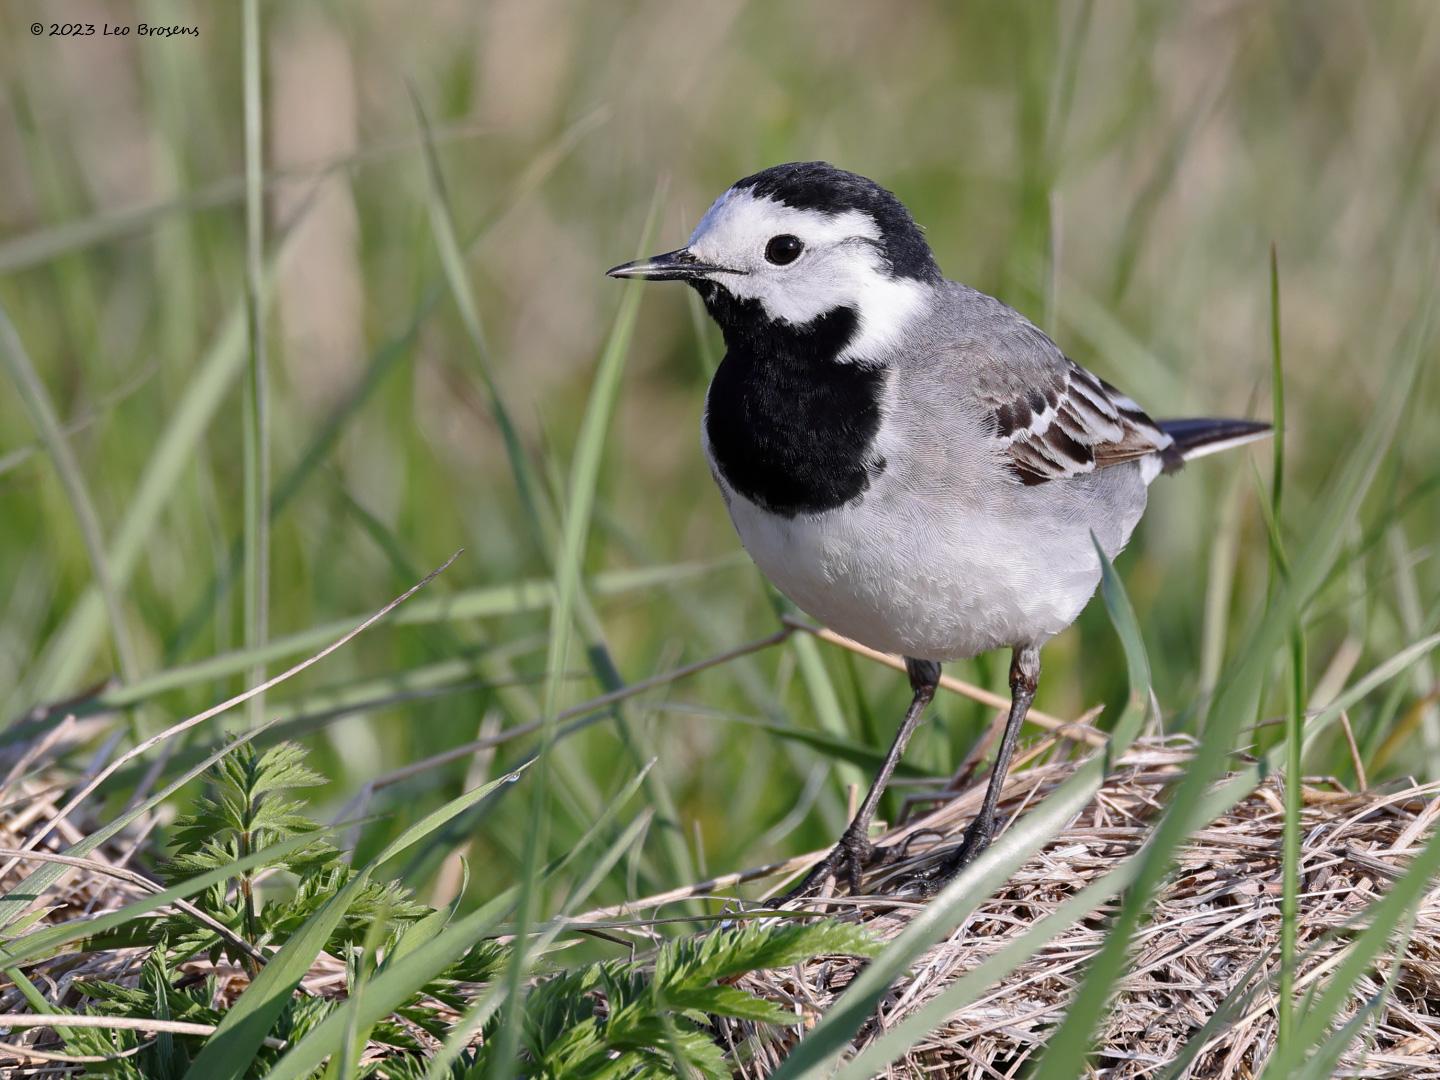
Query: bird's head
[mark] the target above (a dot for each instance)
(796, 242)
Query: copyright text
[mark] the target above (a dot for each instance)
(111, 30)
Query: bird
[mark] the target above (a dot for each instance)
(909, 460)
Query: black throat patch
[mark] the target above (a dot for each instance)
(790, 427)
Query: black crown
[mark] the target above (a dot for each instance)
(818, 185)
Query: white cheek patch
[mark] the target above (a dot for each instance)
(841, 267)
(886, 306)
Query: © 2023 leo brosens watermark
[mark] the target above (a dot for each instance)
(57, 29)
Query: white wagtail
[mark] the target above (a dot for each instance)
(912, 462)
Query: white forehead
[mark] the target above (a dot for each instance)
(740, 224)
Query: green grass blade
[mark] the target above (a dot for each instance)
(826, 702)
(71, 649)
(580, 500)
(602, 664)
(48, 244)
(383, 362)
(1407, 601)
(356, 694)
(313, 710)
(540, 514)
(102, 409)
(22, 895)
(452, 260)
(1295, 688)
(972, 985)
(47, 426)
(345, 1064)
(1322, 1060)
(484, 602)
(1220, 588)
(1242, 993)
(39, 1002)
(399, 980)
(479, 1013)
(848, 752)
(1277, 389)
(15, 901)
(1137, 663)
(1384, 916)
(257, 393)
(438, 817)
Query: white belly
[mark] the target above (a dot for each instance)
(900, 576)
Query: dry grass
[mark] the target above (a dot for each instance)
(1214, 934)
(30, 799)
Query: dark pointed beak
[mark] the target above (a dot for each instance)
(679, 265)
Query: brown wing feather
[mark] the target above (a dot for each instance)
(1071, 425)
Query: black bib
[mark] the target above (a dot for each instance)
(790, 427)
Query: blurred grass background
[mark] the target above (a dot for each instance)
(1117, 172)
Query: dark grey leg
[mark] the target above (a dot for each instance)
(1024, 676)
(855, 851)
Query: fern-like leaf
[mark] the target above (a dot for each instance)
(725, 954)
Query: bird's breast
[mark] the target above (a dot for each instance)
(794, 432)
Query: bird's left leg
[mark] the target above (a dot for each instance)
(855, 851)
(1024, 677)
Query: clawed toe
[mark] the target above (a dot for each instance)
(846, 861)
(927, 882)
(854, 854)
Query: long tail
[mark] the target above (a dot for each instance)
(1195, 437)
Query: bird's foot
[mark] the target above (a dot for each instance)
(851, 855)
(929, 881)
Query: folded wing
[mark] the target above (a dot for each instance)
(1067, 422)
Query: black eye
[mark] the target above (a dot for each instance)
(783, 249)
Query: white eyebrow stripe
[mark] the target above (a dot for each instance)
(738, 217)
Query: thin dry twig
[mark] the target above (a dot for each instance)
(1355, 759)
(114, 1023)
(1081, 729)
(1071, 729)
(455, 753)
(29, 1053)
(26, 761)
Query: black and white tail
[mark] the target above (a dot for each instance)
(1197, 436)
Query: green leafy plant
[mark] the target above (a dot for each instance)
(249, 809)
(621, 1019)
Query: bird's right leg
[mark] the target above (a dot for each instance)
(854, 850)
